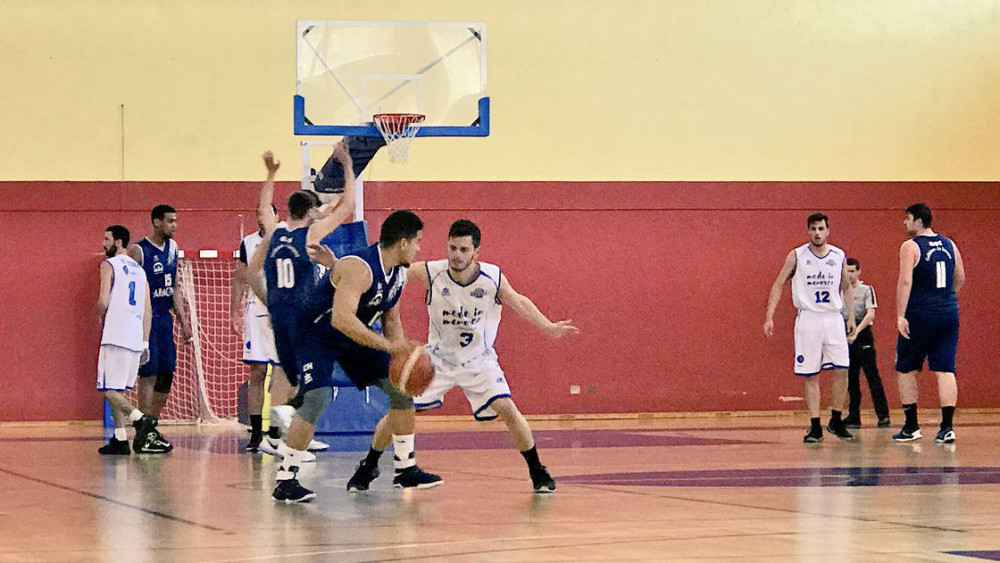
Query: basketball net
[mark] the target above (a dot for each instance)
(398, 130)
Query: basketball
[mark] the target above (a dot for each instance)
(411, 371)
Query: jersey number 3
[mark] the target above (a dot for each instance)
(286, 272)
(466, 338)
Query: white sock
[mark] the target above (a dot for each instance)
(290, 463)
(120, 434)
(135, 415)
(403, 454)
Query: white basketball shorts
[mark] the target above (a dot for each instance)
(258, 339)
(820, 343)
(117, 368)
(482, 382)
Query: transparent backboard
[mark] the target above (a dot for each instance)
(348, 71)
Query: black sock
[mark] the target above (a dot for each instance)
(373, 456)
(274, 432)
(531, 456)
(816, 426)
(256, 423)
(910, 412)
(946, 415)
(834, 416)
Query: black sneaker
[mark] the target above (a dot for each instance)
(884, 422)
(363, 477)
(541, 480)
(115, 447)
(813, 437)
(151, 442)
(253, 446)
(907, 435)
(414, 477)
(838, 430)
(850, 422)
(945, 436)
(290, 491)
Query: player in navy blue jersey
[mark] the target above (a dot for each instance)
(931, 274)
(157, 254)
(362, 288)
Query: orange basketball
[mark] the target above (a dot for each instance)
(411, 371)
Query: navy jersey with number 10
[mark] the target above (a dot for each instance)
(933, 289)
(288, 269)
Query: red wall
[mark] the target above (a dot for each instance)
(668, 281)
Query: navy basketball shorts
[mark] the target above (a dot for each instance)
(162, 349)
(934, 337)
(284, 321)
(317, 357)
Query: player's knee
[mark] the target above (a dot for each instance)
(258, 373)
(399, 400)
(164, 382)
(504, 407)
(314, 403)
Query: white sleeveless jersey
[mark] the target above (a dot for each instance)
(463, 318)
(816, 282)
(249, 244)
(123, 320)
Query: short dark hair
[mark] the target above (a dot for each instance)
(119, 232)
(399, 225)
(922, 212)
(160, 211)
(854, 262)
(816, 218)
(300, 202)
(466, 228)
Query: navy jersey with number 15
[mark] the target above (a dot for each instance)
(933, 289)
(160, 265)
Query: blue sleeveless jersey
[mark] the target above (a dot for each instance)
(287, 268)
(933, 290)
(161, 272)
(383, 293)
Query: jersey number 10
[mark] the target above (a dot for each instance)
(286, 272)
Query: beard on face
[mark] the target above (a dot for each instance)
(110, 252)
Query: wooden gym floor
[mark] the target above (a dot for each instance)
(714, 488)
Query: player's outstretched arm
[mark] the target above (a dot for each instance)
(786, 273)
(529, 311)
(352, 278)
(847, 295)
(264, 206)
(344, 209)
(104, 297)
(909, 253)
(959, 279)
(418, 271)
(322, 255)
(135, 252)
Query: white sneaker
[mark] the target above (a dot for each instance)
(281, 416)
(275, 447)
(317, 446)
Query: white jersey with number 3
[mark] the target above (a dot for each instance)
(816, 282)
(123, 320)
(463, 318)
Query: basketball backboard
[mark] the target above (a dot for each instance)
(349, 70)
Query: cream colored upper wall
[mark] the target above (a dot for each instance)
(581, 90)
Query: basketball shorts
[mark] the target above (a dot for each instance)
(934, 337)
(317, 357)
(285, 326)
(117, 368)
(481, 380)
(162, 349)
(258, 339)
(820, 343)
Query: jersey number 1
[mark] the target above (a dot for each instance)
(286, 272)
(131, 293)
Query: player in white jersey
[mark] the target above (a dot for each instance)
(464, 303)
(820, 291)
(125, 316)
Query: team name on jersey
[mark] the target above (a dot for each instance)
(462, 316)
(821, 279)
(163, 291)
(936, 246)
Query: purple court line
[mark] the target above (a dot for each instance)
(990, 554)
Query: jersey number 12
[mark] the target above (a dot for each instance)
(822, 296)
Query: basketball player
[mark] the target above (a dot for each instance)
(820, 291)
(157, 254)
(362, 287)
(931, 274)
(464, 302)
(258, 338)
(125, 315)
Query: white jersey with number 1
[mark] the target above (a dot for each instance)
(463, 318)
(123, 320)
(816, 282)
